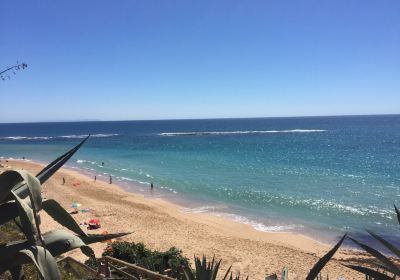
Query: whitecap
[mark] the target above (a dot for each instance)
(205, 133)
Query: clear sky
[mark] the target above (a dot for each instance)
(129, 59)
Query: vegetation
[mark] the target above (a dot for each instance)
(20, 203)
(170, 262)
(12, 69)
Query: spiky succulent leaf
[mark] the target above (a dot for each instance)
(370, 272)
(93, 238)
(324, 260)
(27, 220)
(17, 273)
(386, 243)
(9, 211)
(50, 169)
(30, 184)
(397, 213)
(60, 215)
(390, 266)
(61, 241)
(44, 262)
(8, 179)
(227, 272)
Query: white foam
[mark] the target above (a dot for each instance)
(203, 133)
(17, 138)
(257, 225)
(216, 211)
(200, 209)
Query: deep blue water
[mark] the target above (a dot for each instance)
(317, 175)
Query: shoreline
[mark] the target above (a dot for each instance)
(161, 224)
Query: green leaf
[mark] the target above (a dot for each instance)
(227, 272)
(9, 211)
(17, 273)
(60, 215)
(8, 179)
(44, 262)
(324, 260)
(50, 169)
(61, 241)
(93, 238)
(389, 265)
(398, 213)
(387, 244)
(27, 220)
(372, 273)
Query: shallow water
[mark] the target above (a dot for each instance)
(319, 175)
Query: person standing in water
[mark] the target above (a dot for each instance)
(151, 186)
(110, 179)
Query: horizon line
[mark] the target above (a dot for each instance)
(211, 118)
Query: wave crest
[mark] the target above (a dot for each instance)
(73, 136)
(204, 133)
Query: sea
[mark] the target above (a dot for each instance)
(317, 176)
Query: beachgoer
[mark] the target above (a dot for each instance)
(63, 180)
(110, 180)
(95, 178)
(151, 185)
(102, 164)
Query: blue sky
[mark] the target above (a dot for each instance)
(122, 60)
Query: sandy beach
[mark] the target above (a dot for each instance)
(160, 225)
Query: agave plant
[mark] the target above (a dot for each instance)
(205, 270)
(21, 202)
(315, 272)
(387, 265)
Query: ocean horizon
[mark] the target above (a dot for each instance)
(318, 176)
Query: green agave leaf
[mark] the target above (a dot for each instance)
(31, 184)
(397, 213)
(27, 220)
(227, 272)
(93, 238)
(35, 189)
(17, 273)
(8, 179)
(44, 262)
(60, 215)
(324, 260)
(9, 250)
(9, 211)
(372, 273)
(50, 169)
(387, 244)
(189, 273)
(61, 241)
(389, 265)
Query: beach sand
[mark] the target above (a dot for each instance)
(160, 225)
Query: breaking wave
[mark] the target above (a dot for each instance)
(203, 133)
(100, 135)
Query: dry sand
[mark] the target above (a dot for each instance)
(160, 225)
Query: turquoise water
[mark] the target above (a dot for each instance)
(318, 175)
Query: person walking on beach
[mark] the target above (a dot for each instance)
(110, 179)
(63, 180)
(95, 178)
